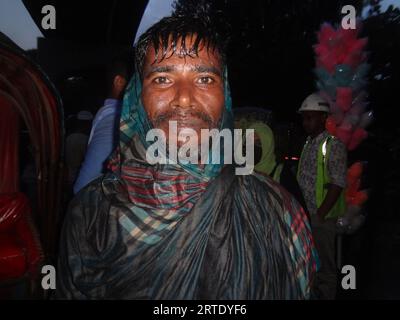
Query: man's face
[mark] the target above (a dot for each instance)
(188, 90)
(313, 122)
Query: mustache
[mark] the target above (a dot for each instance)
(158, 119)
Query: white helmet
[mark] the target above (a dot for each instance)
(314, 102)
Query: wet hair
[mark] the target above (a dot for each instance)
(195, 19)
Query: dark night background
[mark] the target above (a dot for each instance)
(271, 63)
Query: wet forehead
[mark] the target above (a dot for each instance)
(206, 59)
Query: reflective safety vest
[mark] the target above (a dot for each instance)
(323, 180)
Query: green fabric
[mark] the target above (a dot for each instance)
(268, 160)
(277, 174)
(339, 208)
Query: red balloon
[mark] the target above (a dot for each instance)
(330, 125)
(355, 170)
(360, 198)
(344, 98)
(344, 134)
(357, 137)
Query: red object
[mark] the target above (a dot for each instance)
(330, 125)
(353, 195)
(354, 172)
(20, 250)
(9, 129)
(28, 97)
(344, 98)
(344, 134)
(357, 137)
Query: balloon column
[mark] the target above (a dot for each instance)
(341, 71)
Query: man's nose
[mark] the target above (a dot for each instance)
(184, 96)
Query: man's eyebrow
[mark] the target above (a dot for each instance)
(207, 69)
(160, 69)
(171, 68)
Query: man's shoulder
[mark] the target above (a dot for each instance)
(105, 111)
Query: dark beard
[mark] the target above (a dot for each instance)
(156, 121)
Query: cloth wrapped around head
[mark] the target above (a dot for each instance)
(267, 162)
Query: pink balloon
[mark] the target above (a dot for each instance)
(344, 97)
(337, 113)
(338, 117)
(344, 133)
(327, 61)
(357, 137)
(326, 33)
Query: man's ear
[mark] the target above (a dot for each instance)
(119, 82)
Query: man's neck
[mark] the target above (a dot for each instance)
(316, 134)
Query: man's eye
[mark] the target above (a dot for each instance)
(205, 80)
(161, 80)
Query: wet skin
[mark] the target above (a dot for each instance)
(189, 90)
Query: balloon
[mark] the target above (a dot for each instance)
(353, 59)
(327, 61)
(338, 116)
(352, 188)
(344, 133)
(355, 170)
(358, 136)
(366, 119)
(322, 75)
(343, 75)
(358, 45)
(327, 86)
(325, 82)
(336, 112)
(361, 97)
(359, 79)
(360, 198)
(347, 35)
(357, 109)
(330, 125)
(344, 97)
(326, 34)
(351, 119)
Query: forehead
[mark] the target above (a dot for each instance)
(182, 51)
(312, 114)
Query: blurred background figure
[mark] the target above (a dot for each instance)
(267, 163)
(104, 133)
(76, 143)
